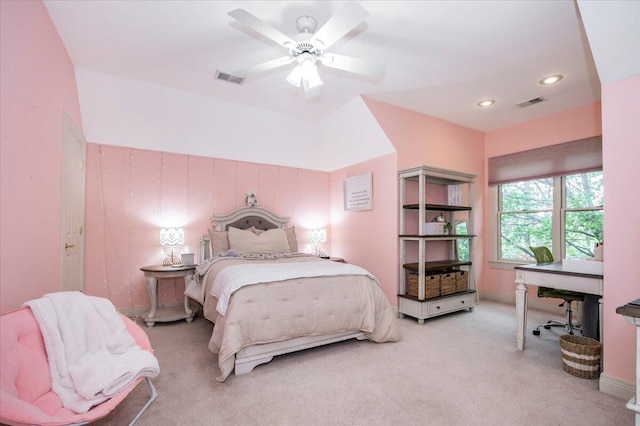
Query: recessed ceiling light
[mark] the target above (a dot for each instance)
(486, 103)
(551, 79)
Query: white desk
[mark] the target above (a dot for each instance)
(550, 275)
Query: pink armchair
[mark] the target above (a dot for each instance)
(26, 397)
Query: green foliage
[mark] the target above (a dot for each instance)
(584, 190)
(523, 230)
(463, 245)
(526, 216)
(528, 195)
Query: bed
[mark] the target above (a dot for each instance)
(274, 300)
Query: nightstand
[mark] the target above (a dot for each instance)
(172, 313)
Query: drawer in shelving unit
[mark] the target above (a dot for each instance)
(450, 304)
(423, 309)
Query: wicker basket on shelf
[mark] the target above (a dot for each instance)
(581, 356)
(447, 284)
(431, 285)
(462, 281)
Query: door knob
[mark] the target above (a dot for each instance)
(68, 246)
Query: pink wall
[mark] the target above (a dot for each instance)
(618, 124)
(38, 84)
(369, 238)
(132, 193)
(574, 124)
(577, 123)
(621, 151)
(424, 140)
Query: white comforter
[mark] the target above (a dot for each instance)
(287, 309)
(233, 278)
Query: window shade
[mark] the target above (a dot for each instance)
(579, 156)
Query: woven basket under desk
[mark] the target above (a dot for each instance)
(431, 285)
(581, 356)
(447, 283)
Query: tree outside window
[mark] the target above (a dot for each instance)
(526, 212)
(583, 218)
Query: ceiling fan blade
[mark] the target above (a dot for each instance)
(347, 18)
(353, 65)
(264, 66)
(262, 27)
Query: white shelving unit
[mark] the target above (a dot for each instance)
(426, 192)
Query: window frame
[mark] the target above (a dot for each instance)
(557, 223)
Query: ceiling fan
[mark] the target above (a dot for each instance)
(309, 47)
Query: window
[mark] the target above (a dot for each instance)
(562, 213)
(583, 219)
(463, 244)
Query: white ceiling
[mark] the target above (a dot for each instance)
(442, 57)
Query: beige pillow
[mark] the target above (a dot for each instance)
(219, 241)
(292, 239)
(271, 241)
(255, 230)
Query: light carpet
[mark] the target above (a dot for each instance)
(457, 369)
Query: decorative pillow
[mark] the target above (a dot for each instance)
(292, 239)
(219, 241)
(271, 241)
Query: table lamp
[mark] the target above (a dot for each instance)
(318, 237)
(172, 242)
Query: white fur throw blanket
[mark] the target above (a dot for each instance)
(91, 354)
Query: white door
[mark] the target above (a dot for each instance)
(73, 194)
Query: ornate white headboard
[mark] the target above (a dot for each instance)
(242, 218)
(246, 217)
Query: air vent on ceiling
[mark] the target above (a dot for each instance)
(229, 77)
(530, 102)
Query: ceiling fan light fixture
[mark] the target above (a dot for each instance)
(305, 72)
(308, 46)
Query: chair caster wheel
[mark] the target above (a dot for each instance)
(547, 327)
(536, 332)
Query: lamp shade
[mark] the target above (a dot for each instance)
(171, 236)
(318, 236)
(295, 76)
(305, 72)
(310, 75)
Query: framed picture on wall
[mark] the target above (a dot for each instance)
(358, 192)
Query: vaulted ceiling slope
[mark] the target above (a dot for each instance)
(613, 29)
(123, 112)
(441, 58)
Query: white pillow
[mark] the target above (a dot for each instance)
(271, 241)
